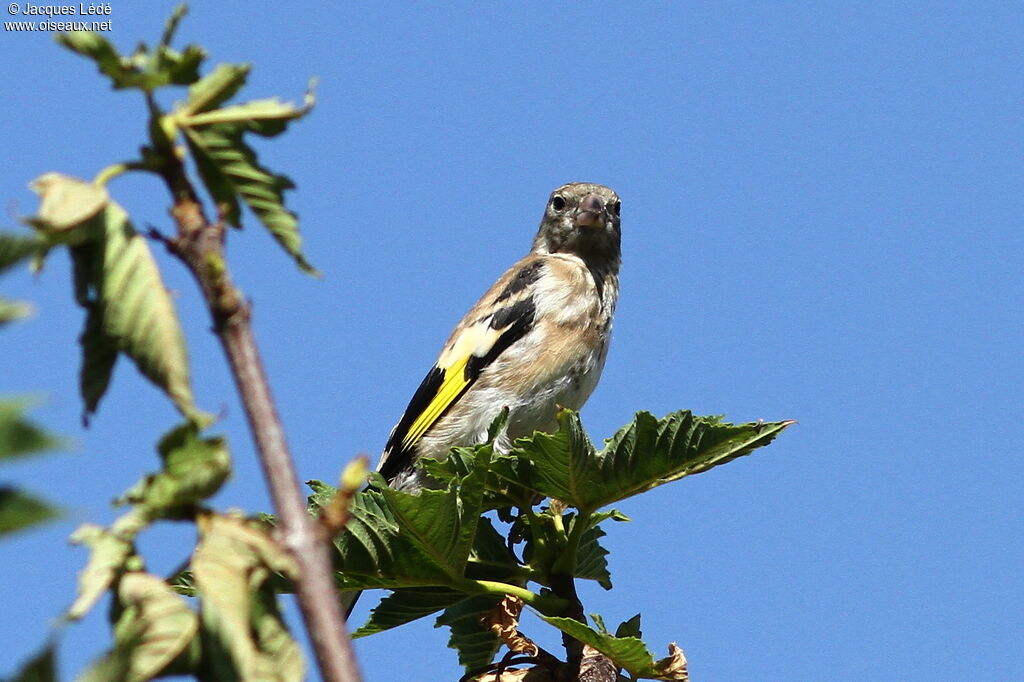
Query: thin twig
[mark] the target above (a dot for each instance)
(200, 245)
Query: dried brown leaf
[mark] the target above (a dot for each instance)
(503, 621)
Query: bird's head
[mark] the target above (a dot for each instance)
(581, 218)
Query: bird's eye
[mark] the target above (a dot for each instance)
(616, 207)
(558, 202)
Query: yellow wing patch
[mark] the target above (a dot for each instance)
(474, 341)
(451, 386)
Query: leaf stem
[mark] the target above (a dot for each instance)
(566, 562)
(114, 170)
(549, 606)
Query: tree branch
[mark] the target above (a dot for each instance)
(200, 245)
(564, 586)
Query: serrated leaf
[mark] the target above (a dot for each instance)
(194, 468)
(229, 167)
(234, 559)
(154, 628)
(367, 547)
(322, 495)
(406, 605)
(591, 563)
(629, 653)
(19, 510)
(439, 523)
(504, 488)
(40, 668)
(397, 539)
(475, 643)
(109, 556)
(642, 455)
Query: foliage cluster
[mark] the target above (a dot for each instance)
(501, 531)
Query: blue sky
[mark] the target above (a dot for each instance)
(822, 220)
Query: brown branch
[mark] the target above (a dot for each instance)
(596, 667)
(200, 245)
(565, 587)
(584, 663)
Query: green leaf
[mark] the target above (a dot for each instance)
(154, 629)
(235, 557)
(441, 524)
(183, 583)
(215, 88)
(229, 167)
(629, 628)
(629, 653)
(475, 643)
(94, 46)
(145, 69)
(591, 563)
(368, 545)
(20, 437)
(642, 455)
(397, 539)
(13, 310)
(111, 667)
(40, 668)
(99, 355)
(273, 639)
(194, 468)
(504, 485)
(491, 558)
(110, 555)
(15, 248)
(19, 510)
(137, 314)
(406, 605)
(118, 282)
(322, 495)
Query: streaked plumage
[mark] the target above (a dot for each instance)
(536, 341)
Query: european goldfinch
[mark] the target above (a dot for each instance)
(535, 342)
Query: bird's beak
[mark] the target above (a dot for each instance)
(591, 212)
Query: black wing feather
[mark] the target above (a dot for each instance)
(515, 321)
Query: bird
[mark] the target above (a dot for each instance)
(536, 342)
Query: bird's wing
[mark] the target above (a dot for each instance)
(503, 316)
